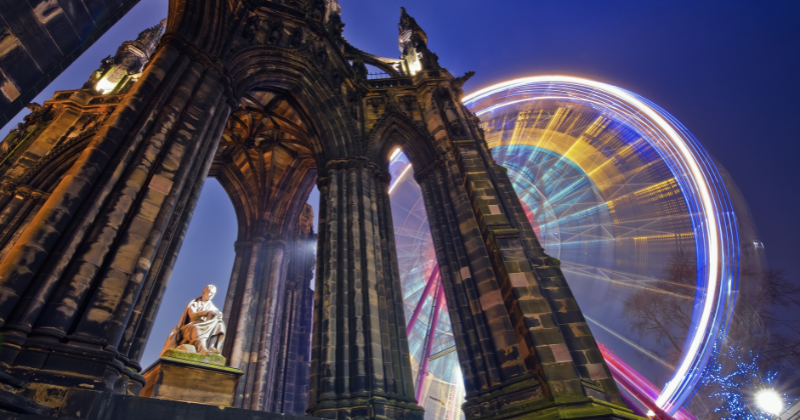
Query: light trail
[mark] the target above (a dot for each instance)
(632, 344)
(697, 176)
(400, 177)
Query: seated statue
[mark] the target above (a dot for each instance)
(200, 326)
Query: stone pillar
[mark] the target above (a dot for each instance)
(523, 345)
(79, 276)
(293, 360)
(256, 302)
(360, 358)
(146, 309)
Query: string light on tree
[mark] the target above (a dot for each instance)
(744, 392)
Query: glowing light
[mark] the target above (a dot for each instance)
(650, 414)
(111, 80)
(415, 65)
(769, 401)
(400, 178)
(104, 86)
(712, 215)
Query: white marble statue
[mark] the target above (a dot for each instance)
(200, 326)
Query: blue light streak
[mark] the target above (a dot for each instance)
(707, 199)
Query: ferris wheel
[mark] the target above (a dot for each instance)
(614, 187)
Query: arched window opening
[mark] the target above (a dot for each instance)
(437, 373)
(206, 257)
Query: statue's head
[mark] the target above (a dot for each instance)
(209, 292)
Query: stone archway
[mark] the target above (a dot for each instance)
(267, 97)
(265, 164)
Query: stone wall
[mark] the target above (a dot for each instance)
(93, 405)
(41, 38)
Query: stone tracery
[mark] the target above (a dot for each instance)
(268, 100)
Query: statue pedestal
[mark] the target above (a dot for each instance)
(191, 377)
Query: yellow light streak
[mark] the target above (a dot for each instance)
(706, 201)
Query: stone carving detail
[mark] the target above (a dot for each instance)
(321, 57)
(407, 104)
(353, 100)
(458, 84)
(451, 114)
(115, 72)
(414, 42)
(360, 69)
(374, 104)
(251, 28)
(200, 328)
(110, 233)
(275, 32)
(335, 26)
(39, 115)
(296, 39)
(316, 9)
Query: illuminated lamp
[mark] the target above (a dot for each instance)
(769, 401)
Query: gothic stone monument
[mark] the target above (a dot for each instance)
(269, 98)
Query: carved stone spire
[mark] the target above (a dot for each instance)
(148, 39)
(114, 73)
(410, 29)
(413, 43)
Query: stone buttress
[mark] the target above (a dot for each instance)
(268, 97)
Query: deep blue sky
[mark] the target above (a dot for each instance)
(729, 70)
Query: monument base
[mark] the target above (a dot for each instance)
(191, 377)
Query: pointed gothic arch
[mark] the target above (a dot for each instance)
(86, 274)
(396, 129)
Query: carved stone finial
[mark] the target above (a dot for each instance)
(458, 83)
(406, 21)
(335, 25)
(131, 57)
(413, 44)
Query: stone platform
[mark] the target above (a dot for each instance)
(191, 377)
(94, 405)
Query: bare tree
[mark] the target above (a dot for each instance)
(766, 320)
(663, 310)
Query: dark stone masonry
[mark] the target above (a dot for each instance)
(98, 186)
(40, 38)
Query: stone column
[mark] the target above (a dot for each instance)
(523, 345)
(71, 284)
(360, 358)
(145, 311)
(293, 358)
(256, 300)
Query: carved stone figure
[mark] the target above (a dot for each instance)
(201, 326)
(250, 29)
(275, 32)
(296, 39)
(451, 115)
(360, 69)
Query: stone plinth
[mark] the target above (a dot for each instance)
(191, 377)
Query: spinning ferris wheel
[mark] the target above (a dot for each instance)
(614, 186)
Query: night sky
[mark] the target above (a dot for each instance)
(728, 70)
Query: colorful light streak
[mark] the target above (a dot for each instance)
(642, 389)
(710, 207)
